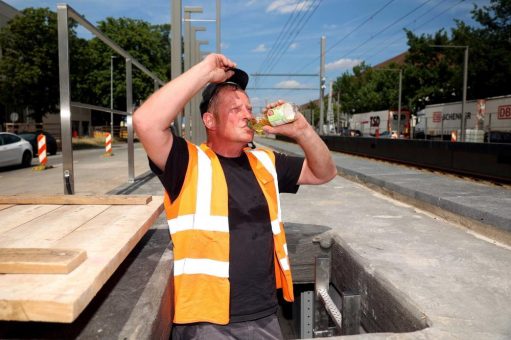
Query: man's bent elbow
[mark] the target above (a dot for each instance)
(331, 174)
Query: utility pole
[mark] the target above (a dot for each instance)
(399, 103)
(322, 85)
(330, 110)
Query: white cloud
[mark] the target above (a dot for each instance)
(260, 48)
(289, 84)
(224, 45)
(289, 6)
(293, 46)
(342, 63)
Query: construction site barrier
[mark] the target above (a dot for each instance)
(41, 151)
(41, 146)
(108, 145)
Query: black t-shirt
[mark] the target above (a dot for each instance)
(251, 259)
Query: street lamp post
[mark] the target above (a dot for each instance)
(112, 57)
(465, 76)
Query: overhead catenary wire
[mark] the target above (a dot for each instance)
(288, 35)
(369, 18)
(281, 34)
(284, 47)
(385, 28)
(385, 45)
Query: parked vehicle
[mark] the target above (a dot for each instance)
(485, 119)
(376, 123)
(51, 142)
(14, 150)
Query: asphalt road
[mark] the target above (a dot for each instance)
(93, 173)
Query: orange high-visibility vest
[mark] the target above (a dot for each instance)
(199, 227)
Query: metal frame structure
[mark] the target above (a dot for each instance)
(64, 12)
(326, 307)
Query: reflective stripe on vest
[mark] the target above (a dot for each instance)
(199, 228)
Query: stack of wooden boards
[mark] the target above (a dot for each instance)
(56, 252)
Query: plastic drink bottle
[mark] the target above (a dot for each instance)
(279, 115)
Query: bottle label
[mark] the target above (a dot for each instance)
(281, 114)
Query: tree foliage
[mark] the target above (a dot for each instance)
(435, 75)
(149, 44)
(29, 73)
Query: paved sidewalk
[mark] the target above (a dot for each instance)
(481, 206)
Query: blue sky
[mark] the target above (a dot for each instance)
(355, 31)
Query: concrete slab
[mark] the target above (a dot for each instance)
(461, 283)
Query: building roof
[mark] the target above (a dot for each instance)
(399, 60)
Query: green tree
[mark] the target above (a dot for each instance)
(29, 64)
(435, 75)
(149, 44)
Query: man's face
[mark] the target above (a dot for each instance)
(233, 112)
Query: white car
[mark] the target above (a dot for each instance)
(14, 150)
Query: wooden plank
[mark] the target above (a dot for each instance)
(44, 231)
(107, 238)
(76, 199)
(40, 260)
(20, 214)
(5, 206)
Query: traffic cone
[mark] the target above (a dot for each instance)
(41, 151)
(454, 137)
(108, 146)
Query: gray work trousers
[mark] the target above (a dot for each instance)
(260, 329)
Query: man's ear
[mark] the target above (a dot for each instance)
(209, 120)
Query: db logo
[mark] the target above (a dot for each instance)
(437, 117)
(504, 112)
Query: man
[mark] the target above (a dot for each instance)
(222, 203)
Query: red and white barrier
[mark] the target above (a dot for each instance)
(108, 143)
(41, 149)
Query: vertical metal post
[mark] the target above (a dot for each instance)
(129, 121)
(112, 95)
(351, 313)
(186, 68)
(322, 282)
(193, 112)
(200, 125)
(176, 50)
(195, 118)
(65, 99)
(464, 100)
(188, 62)
(399, 103)
(218, 42)
(322, 85)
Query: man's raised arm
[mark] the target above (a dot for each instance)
(153, 119)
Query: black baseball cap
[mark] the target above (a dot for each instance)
(239, 78)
